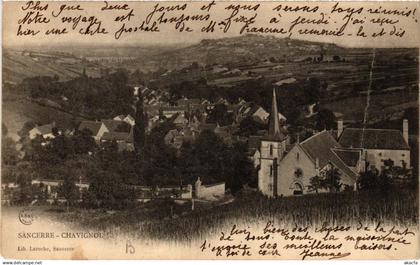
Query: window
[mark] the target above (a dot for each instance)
(271, 170)
(270, 187)
(298, 173)
(297, 156)
(402, 155)
(271, 149)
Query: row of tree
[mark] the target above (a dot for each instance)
(105, 96)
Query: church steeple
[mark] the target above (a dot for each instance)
(274, 130)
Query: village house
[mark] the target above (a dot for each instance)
(124, 140)
(46, 131)
(117, 129)
(377, 145)
(179, 119)
(256, 112)
(127, 119)
(97, 128)
(209, 192)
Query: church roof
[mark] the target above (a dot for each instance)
(349, 157)
(373, 139)
(275, 131)
(321, 146)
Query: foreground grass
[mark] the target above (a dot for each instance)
(165, 220)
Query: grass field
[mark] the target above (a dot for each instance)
(17, 112)
(353, 107)
(165, 220)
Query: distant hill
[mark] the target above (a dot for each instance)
(35, 61)
(242, 49)
(19, 64)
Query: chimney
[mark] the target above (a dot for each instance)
(339, 128)
(405, 130)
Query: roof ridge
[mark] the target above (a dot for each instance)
(344, 165)
(346, 149)
(312, 136)
(373, 129)
(332, 150)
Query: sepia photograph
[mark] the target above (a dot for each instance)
(210, 130)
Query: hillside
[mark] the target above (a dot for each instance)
(242, 49)
(18, 65)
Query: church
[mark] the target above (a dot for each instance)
(286, 169)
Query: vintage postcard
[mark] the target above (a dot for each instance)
(210, 130)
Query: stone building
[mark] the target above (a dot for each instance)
(377, 145)
(272, 150)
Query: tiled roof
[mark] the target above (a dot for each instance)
(117, 126)
(47, 128)
(321, 146)
(350, 157)
(118, 136)
(92, 126)
(119, 117)
(373, 139)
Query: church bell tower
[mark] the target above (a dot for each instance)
(272, 149)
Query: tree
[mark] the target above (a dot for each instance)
(23, 177)
(374, 181)
(139, 130)
(9, 153)
(315, 183)
(69, 189)
(27, 126)
(325, 120)
(312, 90)
(249, 126)
(331, 180)
(83, 142)
(107, 190)
(220, 115)
(239, 169)
(205, 158)
(160, 160)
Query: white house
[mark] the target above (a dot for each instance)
(377, 145)
(46, 131)
(130, 120)
(97, 128)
